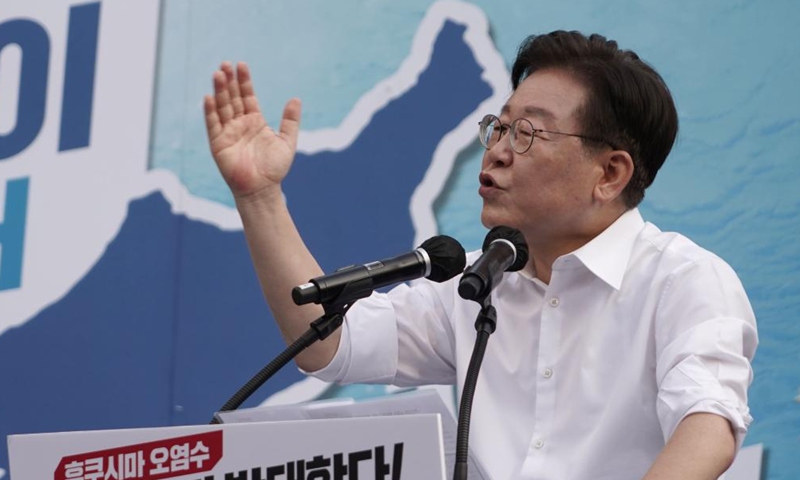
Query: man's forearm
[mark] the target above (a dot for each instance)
(282, 261)
(702, 448)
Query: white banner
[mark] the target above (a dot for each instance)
(337, 449)
(76, 89)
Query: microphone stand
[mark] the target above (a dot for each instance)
(485, 324)
(319, 329)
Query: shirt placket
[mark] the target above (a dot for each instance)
(546, 378)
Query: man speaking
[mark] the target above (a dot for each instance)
(625, 351)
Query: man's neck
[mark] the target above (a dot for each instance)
(543, 252)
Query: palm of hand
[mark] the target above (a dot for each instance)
(250, 155)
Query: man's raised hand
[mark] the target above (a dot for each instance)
(250, 155)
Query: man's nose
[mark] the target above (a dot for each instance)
(501, 153)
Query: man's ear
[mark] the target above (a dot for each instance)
(617, 168)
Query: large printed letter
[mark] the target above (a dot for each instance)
(12, 234)
(76, 107)
(35, 45)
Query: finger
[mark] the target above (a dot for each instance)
(222, 97)
(233, 89)
(248, 94)
(213, 125)
(290, 123)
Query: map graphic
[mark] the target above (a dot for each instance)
(172, 314)
(159, 319)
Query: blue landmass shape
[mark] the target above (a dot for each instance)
(170, 321)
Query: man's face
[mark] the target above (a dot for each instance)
(546, 191)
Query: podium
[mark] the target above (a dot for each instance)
(380, 448)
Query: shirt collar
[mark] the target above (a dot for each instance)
(607, 254)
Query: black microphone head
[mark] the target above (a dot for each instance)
(448, 258)
(516, 238)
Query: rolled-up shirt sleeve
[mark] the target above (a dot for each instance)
(706, 339)
(403, 337)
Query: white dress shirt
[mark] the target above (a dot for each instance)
(585, 378)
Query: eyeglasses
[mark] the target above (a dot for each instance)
(521, 133)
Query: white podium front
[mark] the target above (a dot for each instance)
(380, 448)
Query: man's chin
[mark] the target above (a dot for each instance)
(491, 219)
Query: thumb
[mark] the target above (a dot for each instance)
(290, 123)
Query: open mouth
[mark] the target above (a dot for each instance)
(486, 180)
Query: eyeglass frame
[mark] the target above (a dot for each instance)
(507, 127)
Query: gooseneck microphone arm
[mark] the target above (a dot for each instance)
(320, 329)
(485, 324)
(504, 250)
(439, 258)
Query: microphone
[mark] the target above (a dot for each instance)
(504, 250)
(439, 258)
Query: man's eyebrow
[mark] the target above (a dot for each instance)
(535, 111)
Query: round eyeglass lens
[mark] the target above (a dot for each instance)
(490, 129)
(521, 135)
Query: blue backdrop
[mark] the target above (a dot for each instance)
(166, 340)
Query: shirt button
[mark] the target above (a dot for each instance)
(554, 302)
(547, 373)
(539, 443)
